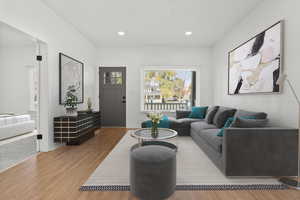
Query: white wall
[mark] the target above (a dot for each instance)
(136, 58)
(282, 108)
(34, 18)
(14, 78)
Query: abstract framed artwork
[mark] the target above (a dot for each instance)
(71, 73)
(255, 66)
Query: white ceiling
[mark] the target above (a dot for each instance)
(152, 22)
(11, 37)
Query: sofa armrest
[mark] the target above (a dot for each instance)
(260, 151)
(182, 114)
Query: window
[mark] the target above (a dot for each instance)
(168, 90)
(113, 78)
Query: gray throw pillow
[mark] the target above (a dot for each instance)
(249, 123)
(222, 115)
(210, 114)
(256, 115)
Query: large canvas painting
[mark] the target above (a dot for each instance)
(71, 77)
(254, 66)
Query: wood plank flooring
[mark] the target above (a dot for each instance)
(57, 175)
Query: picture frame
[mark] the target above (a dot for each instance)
(71, 73)
(255, 65)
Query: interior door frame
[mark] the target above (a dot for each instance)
(124, 80)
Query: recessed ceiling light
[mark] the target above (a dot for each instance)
(188, 33)
(121, 33)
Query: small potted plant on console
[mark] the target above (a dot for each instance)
(71, 101)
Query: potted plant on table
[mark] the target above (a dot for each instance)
(71, 101)
(155, 120)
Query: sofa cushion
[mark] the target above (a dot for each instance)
(182, 114)
(240, 122)
(188, 120)
(198, 112)
(210, 136)
(222, 115)
(175, 123)
(211, 114)
(257, 115)
(183, 129)
(202, 125)
(182, 123)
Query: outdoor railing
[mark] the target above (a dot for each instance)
(165, 106)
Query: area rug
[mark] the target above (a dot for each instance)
(195, 171)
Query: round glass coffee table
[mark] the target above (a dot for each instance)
(144, 137)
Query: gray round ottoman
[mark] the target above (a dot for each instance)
(152, 172)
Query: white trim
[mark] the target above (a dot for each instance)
(43, 96)
(171, 67)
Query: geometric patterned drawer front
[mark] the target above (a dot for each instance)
(72, 129)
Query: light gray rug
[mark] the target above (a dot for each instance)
(195, 171)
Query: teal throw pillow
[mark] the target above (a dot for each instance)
(164, 123)
(198, 112)
(229, 122)
(227, 125)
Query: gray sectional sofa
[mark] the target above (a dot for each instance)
(257, 151)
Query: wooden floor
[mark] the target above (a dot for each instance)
(57, 175)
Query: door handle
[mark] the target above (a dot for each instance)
(123, 101)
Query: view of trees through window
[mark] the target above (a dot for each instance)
(167, 89)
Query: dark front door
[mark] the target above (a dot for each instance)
(112, 96)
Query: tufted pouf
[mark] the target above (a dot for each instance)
(152, 172)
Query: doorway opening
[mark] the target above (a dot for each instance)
(20, 78)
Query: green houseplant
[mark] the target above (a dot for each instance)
(71, 101)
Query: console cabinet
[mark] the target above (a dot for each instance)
(74, 130)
